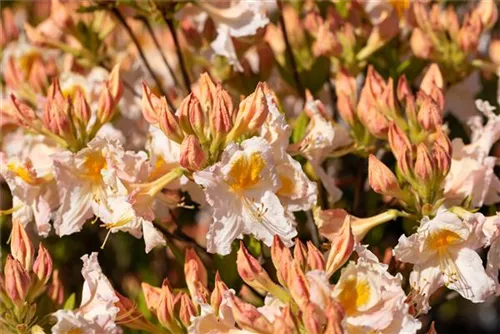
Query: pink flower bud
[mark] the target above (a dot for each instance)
(43, 264)
(17, 280)
(297, 285)
(300, 253)
(24, 115)
(442, 159)
(251, 272)
(432, 77)
(373, 120)
(106, 106)
(488, 12)
(151, 104)
(281, 257)
(151, 295)
(429, 115)
(35, 36)
(311, 319)
(196, 275)
(189, 103)
(248, 317)
(334, 317)
(345, 86)
(81, 108)
(315, 259)
(217, 294)
(326, 43)
(494, 51)
(221, 116)
(468, 36)
(169, 123)
(12, 75)
(443, 140)
(20, 246)
(208, 92)
(382, 180)
(38, 78)
(420, 44)
(398, 140)
(286, 323)
(405, 163)
(403, 89)
(129, 314)
(55, 290)
(8, 28)
(192, 156)
(424, 166)
(252, 111)
(187, 310)
(165, 309)
(114, 84)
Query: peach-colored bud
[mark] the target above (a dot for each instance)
(13, 77)
(251, 272)
(374, 82)
(424, 166)
(151, 295)
(345, 86)
(8, 28)
(187, 310)
(429, 115)
(341, 236)
(17, 280)
(443, 140)
(165, 309)
(488, 12)
(334, 316)
(81, 108)
(248, 317)
(387, 99)
(297, 285)
(208, 92)
(494, 51)
(405, 163)
(420, 44)
(373, 120)
(281, 257)
(150, 103)
(24, 115)
(398, 140)
(286, 323)
(38, 76)
(442, 159)
(189, 103)
(43, 264)
(315, 259)
(35, 36)
(432, 328)
(411, 110)
(382, 180)
(403, 89)
(105, 107)
(312, 21)
(252, 111)
(300, 253)
(221, 116)
(114, 84)
(432, 77)
(326, 43)
(169, 123)
(55, 290)
(311, 319)
(192, 155)
(196, 275)
(468, 36)
(218, 292)
(451, 22)
(20, 245)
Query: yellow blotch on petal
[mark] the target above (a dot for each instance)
(25, 174)
(245, 172)
(93, 165)
(287, 186)
(75, 331)
(355, 293)
(443, 239)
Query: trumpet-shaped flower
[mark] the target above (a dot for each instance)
(97, 312)
(373, 299)
(471, 173)
(82, 184)
(241, 189)
(443, 253)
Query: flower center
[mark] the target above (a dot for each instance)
(355, 294)
(74, 331)
(93, 165)
(287, 186)
(245, 172)
(443, 239)
(25, 174)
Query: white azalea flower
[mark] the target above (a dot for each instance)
(491, 229)
(241, 189)
(81, 183)
(210, 323)
(472, 169)
(443, 253)
(372, 298)
(97, 312)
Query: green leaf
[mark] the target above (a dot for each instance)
(70, 302)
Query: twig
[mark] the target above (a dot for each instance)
(289, 52)
(134, 39)
(158, 47)
(182, 65)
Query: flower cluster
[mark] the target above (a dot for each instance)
(287, 167)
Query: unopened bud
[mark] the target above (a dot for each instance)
(189, 103)
(403, 89)
(17, 280)
(374, 82)
(297, 285)
(114, 84)
(165, 308)
(151, 295)
(443, 140)
(429, 115)
(21, 247)
(34, 36)
(373, 120)
(398, 140)
(12, 76)
(345, 86)
(311, 319)
(382, 180)
(281, 257)
(334, 314)
(315, 259)
(81, 107)
(286, 323)
(432, 77)
(151, 104)
(442, 159)
(327, 43)
(488, 12)
(43, 265)
(248, 317)
(252, 112)
(251, 272)
(187, 310)
(221, 116)
(55, 290)
(192, 155)
(300, 254)
(424, 166)
(405, 163)
(24, 115)
(420, 44)
(169, 123)
(468, 36)
(196, 275)
(217, 294)
(106, 106)
(207, 92)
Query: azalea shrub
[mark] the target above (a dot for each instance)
(249, 167)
